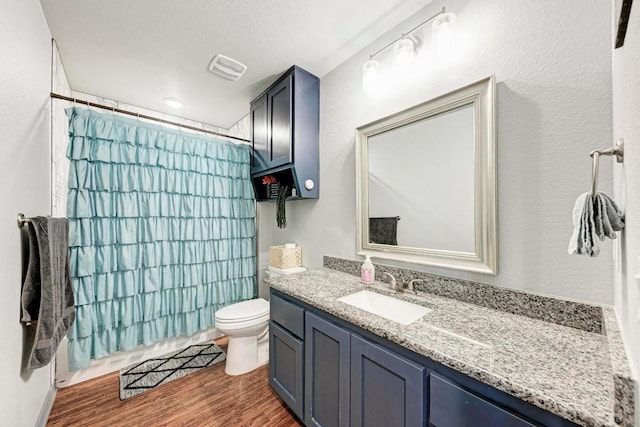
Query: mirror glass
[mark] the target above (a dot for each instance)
(426, 182)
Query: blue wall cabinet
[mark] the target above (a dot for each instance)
(327, 352)
(386, 389)
(285, 123)
(286, 353)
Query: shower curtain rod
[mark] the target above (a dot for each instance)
(142, 116)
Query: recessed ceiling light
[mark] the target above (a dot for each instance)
(172, 102)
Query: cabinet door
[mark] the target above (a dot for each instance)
(259, 135)
(286, 367)
(280, 115)
(326, 373)
(386, 389)
(452, 406)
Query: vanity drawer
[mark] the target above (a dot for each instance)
(287, 315)
(450, 405)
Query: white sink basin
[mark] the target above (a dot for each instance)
(390, 308)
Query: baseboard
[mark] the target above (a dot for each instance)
(43, 417)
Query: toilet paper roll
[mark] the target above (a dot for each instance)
(289, 245)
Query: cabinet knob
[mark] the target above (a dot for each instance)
(309, 184)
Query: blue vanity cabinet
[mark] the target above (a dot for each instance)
(386, 389)
(333, 373)
(327, 369)
(285, 129)
(286, 353)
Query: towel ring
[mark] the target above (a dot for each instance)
(617, 151)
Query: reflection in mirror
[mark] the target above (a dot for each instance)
(426, 182)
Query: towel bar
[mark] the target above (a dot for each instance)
(22, 220)
(618, 151)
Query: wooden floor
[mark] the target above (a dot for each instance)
(208, 397)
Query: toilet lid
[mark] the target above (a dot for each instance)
(245, 310)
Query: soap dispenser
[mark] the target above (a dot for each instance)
(367, 271)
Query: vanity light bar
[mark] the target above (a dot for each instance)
(408, 33)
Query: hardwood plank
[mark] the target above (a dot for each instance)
(206, 398)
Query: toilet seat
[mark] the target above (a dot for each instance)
(245, 311)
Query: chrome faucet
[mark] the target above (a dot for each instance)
(392, 282)
(400, 287)
(411, 285)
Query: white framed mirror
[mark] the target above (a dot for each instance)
(426, 182)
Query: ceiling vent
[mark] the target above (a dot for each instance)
(227, 68)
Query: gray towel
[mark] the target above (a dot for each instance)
(594, 218)
(47, 295)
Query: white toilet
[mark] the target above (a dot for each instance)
(247, 325)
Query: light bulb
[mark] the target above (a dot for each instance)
(403, 53)
(370, 75)
(443, 26)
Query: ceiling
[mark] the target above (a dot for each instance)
(142, 51)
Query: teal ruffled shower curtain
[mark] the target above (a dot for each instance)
(162, 232)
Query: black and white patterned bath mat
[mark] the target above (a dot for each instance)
(144, 376)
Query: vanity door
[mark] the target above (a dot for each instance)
(286, 354)
(386, 389)
(452, 406)
(326, 373)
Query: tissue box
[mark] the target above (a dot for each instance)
(285, 257)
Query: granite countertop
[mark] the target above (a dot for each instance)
(558, 368)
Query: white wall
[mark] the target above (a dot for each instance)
(626, 124)
(25, 71)
(552, 64)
